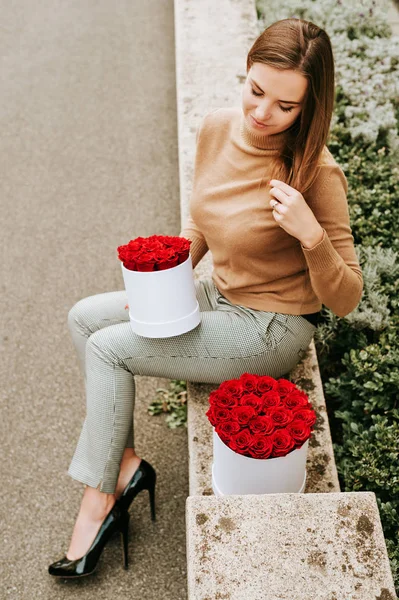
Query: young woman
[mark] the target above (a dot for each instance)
(269, 202)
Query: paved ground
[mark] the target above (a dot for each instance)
(88, 148)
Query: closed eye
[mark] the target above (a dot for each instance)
(282, 107)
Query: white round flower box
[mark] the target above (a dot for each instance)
(233, 473)
(162, 303)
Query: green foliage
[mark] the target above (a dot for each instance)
(172, 402)
(359, 365)
(368, 459)
(359, 354)
(375, 313)
(369, 384)
(372, 172)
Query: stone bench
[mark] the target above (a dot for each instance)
(327, 546)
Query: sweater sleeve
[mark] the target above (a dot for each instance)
(198, 246)
(334, 270)
(191, 231)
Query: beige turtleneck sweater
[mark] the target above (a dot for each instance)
(256, 263)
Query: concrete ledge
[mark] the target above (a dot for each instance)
(322, 473)
(321, 470)
(287, 546)
(212, 40)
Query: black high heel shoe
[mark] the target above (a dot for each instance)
(116, 520)
(144, 478)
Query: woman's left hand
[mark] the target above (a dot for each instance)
(293, 214)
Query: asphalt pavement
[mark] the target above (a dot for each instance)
(89, 160)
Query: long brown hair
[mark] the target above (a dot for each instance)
(302, 46)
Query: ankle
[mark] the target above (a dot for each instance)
(128, 454)
(127, 469)
(97, 504)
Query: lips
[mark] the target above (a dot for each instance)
(257, 122)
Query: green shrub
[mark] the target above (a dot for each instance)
(372, 172)
(368, 459)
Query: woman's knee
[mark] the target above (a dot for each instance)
(78, 317)
(104, 345)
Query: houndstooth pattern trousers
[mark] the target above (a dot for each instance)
(229, 341)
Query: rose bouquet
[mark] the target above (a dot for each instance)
(257, 418)
(155, 253)
(158, 276)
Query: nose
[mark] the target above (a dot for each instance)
(263, 112)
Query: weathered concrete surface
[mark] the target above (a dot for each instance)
(325, 546)
(89, 159)
(393, 16)
(321, 471)
(212, 41)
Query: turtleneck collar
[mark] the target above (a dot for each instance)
(272, 143)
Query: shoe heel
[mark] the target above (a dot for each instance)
(124, 530)
(151, 492)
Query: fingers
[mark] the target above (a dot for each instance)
(279, 195)
(276, 183)
(278, 207)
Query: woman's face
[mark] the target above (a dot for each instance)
(273, 97)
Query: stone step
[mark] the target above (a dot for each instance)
(324, 546)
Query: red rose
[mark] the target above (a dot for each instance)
(130, 264)
(249, 382)
(299, 430)
(307, 406)
(169, 241)
(296, 399)
(307, 415)
(226, 429)
(261, 446)
(166, 259)
(252, 400)
(240, 442)
(280, 415)
(218, 398)
(217, 414)
(242, 414)
(266, 384)
(127, 255)
(183, 256)
(284, 387)
(263, 424)
(233, 387)
(155, 253)
(211, 416)
(152, 245)
(282, 442)
(136, 244)
(180, 244)
(221, 413)
(182, 248)
(145, 262)
(270, 399)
